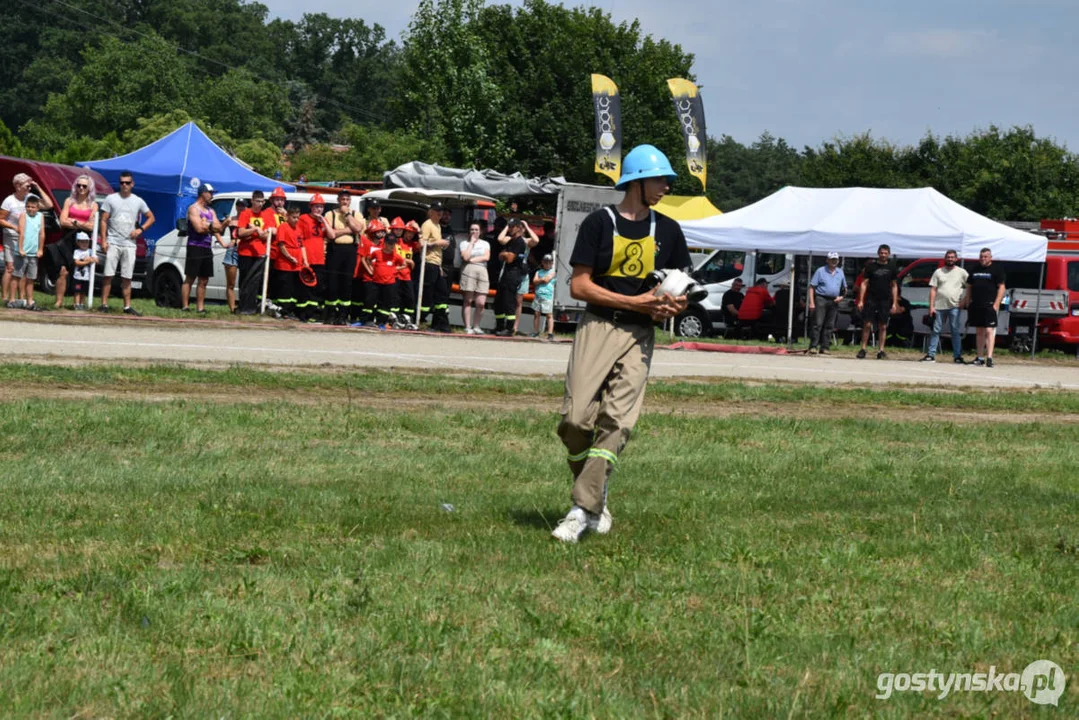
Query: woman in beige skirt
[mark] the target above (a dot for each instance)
(475, 282)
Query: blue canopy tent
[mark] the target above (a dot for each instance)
(168, 172)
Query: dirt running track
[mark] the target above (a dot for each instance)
(180, 341)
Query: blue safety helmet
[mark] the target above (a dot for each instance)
(645, 161)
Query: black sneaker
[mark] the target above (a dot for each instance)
(202, 312)
(929, 358)
(102, 308)
(185, 309)
(132, 311)
(989, 362)
(882, 355)
(978, 362)
(959, 361)
(861, 354)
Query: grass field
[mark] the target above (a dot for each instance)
(183, 543)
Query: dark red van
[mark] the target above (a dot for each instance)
(55, 181)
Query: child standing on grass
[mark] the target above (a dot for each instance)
(31, 248)
(84, 259)
(543, 304)
(287, 263)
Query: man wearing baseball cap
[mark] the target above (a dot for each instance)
(826, 288)
(199, 263)
(436, 293)
(344, 230)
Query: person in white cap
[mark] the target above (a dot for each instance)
(825, 289)
(83, 259)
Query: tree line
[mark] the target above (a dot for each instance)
(469, 84)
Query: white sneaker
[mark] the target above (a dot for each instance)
(476, 331)
(605, 520)
(576, 523)
(469, 331)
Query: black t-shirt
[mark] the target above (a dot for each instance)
(983, 282)
(622, 265)
(879, 277)
(448, 252)
(519, 248)
(732, 297)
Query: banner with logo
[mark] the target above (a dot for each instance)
(608, 106)
(690, 110)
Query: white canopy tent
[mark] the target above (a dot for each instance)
(854, 221)
(915, 223)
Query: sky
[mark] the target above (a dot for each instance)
(811, 70)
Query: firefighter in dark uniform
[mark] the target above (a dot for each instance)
(344, 228)
(436, 291)
(512, 252)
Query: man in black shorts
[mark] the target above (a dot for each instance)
(878, 298)
(985, 291)
(202, 223)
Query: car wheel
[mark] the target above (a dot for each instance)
(46, 277)
(693, 323)
(167, 284)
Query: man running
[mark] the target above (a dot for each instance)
(617, 249)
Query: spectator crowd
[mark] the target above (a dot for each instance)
(880, 308)
(331, 266)
(338, 267)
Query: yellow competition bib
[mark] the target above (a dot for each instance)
(632, 258)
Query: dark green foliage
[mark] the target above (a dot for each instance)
(472, 84)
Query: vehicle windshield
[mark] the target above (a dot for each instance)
(223, 207)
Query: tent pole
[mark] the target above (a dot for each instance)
(419, 290)
(93, 254)
(1037, 312)
(266, 275)
(790, 308)
(809, 276)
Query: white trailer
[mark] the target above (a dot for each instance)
(575, 203)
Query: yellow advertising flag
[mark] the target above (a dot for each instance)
(608, 107)
(689, 108)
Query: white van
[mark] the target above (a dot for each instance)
(719, 269)
(170, 252)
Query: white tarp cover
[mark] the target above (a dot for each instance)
(854, 221)
(483, 182)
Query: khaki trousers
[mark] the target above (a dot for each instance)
(608, 369)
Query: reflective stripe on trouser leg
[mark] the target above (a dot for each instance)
(605, 382)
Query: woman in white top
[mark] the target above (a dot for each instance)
(475, 282)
